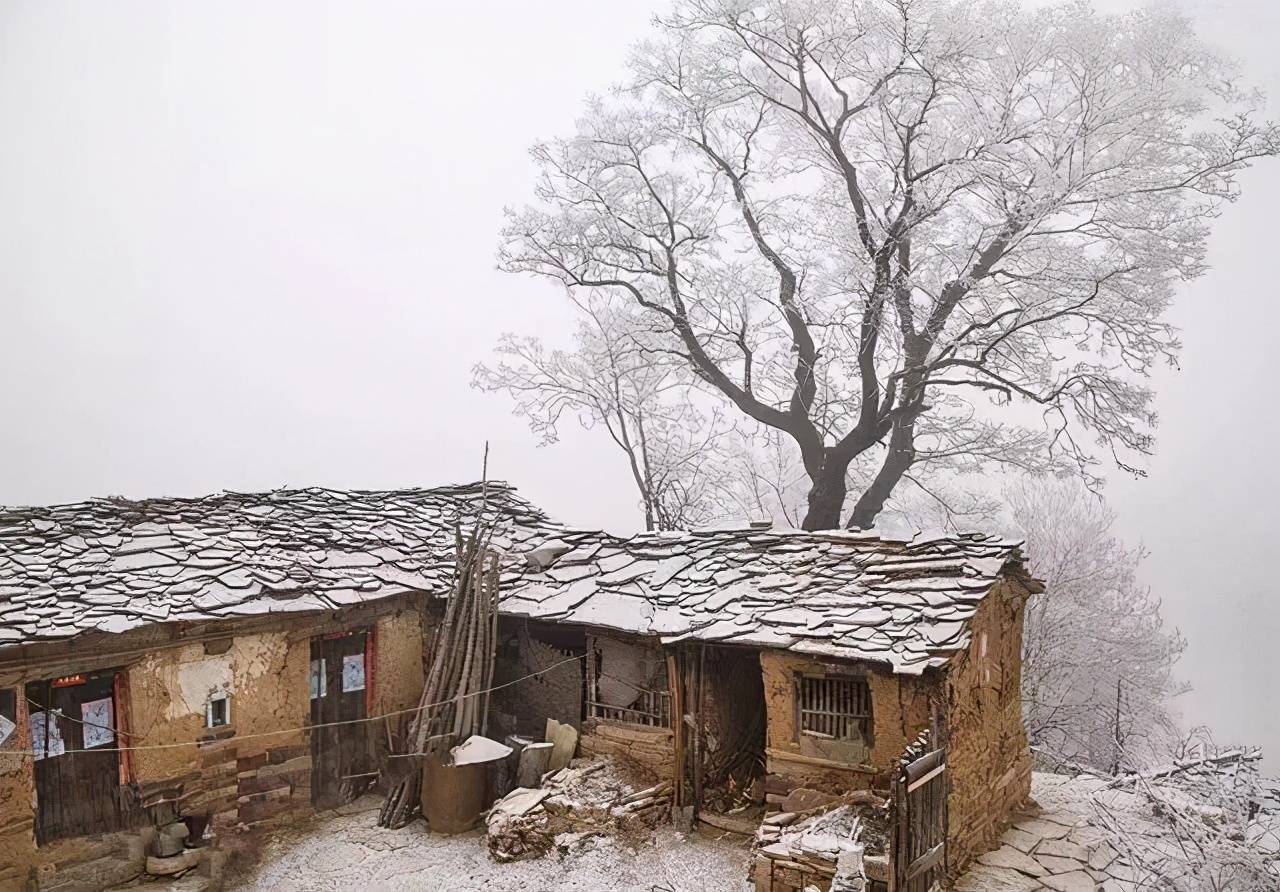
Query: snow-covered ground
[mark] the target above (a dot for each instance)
(350, 852)
(1089, 834)
(1085, 835)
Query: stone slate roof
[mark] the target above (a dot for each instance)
(114, 564)
(110, 565)
(856, 595)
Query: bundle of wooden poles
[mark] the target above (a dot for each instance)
(455, 702)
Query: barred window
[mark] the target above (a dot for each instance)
(835, 707)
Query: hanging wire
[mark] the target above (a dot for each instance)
(282, 731)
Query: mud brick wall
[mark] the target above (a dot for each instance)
(255, 770)
(398, 670)
(17, 816)
(900, 710)
(652, 749)
(266, 676)
(988, 759)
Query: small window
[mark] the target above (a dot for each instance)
(835, 708)
(219, 710)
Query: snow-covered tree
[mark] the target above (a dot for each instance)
(1201, 823)
(874, 226)
(1098, 662)
(611, 380)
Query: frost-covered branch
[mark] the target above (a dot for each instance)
(863, 225)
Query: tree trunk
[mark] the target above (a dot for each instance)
(902, 454)
(826, 500)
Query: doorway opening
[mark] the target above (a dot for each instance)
(724, 731)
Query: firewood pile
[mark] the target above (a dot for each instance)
(587, 798)
(455, 701)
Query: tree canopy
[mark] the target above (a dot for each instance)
(901, 232)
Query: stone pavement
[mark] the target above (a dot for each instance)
(1049, 850)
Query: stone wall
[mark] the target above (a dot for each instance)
(900, 708)
(988, 760)
(652, 749)
(254, 770)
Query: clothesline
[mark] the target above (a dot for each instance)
(283, 731)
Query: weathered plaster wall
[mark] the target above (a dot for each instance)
(398, 665)
(241, 774)
(988, 760)
(900, 708)
(266, 675)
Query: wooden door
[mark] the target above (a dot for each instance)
(920, 834)
(77, 771)
(342, 763)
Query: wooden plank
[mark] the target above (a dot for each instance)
(924, 765)
(676, 683)
(920, 782)
(818, 761)
(926, 862)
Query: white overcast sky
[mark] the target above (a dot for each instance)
(249, 245)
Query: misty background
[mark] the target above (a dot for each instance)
(245, 246)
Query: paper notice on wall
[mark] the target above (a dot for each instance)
(352, 673)
(319, 685)
(40, 723)
(6, 729)
(99, 721)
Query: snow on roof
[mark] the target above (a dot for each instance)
(857, 595)
(110, 565)
(114, 564)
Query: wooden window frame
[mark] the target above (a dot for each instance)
(652, 709)
(834, 707)
(223, 697)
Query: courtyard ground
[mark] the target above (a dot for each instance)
(349, 852)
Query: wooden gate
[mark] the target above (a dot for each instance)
(920, 828)
(77, 769)
(342, 761)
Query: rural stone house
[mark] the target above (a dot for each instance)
(799, 661)
(185, 659)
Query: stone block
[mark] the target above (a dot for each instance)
(253, 811)
(250, 763)
(805, 799)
